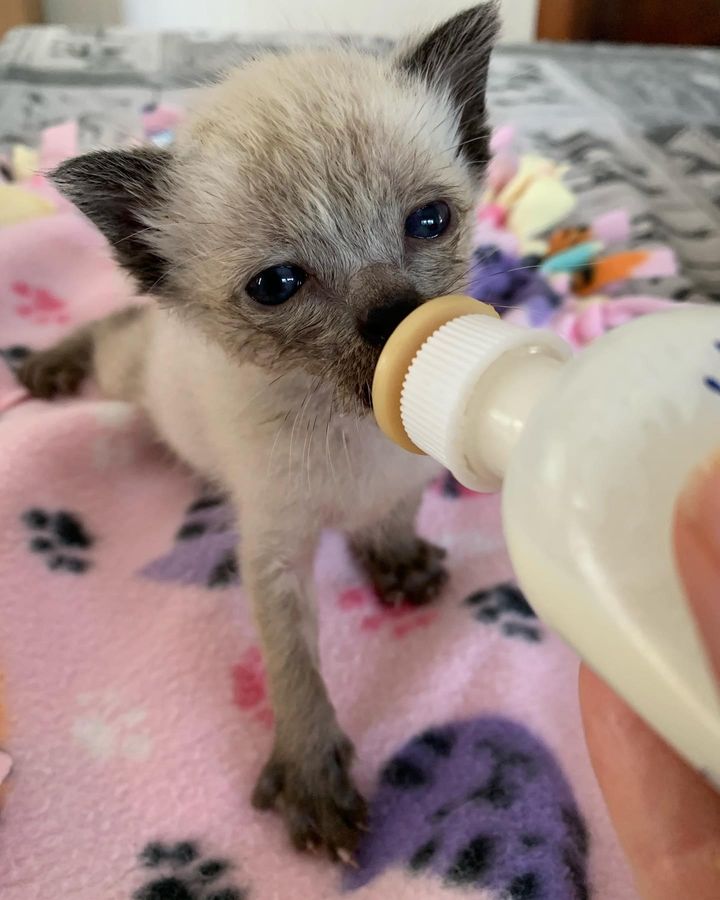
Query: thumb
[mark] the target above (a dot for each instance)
(697, 550)
(666, 815)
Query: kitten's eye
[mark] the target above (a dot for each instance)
(429, 221)
(275, 285)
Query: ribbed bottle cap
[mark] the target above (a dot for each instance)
(399, 352)
(445, 373)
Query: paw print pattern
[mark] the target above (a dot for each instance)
(180, 872)
(60, 538)
(204, 552)
(250, 687)
(399, 621)
(450, 487)
(479, 804)
(14, 355)
(39, 304)
(107, 729)
(505, 605)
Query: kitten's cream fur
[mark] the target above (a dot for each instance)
(317, 159)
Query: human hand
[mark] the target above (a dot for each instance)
(667, 816)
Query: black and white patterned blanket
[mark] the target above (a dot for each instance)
(640, 126)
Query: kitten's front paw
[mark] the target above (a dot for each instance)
(52, 372)
(317, 799)
(413, 573)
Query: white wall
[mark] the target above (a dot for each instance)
(390, 17)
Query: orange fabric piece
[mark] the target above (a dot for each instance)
(607, 270)
(564, 238)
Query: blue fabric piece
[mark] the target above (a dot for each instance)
(573, 258)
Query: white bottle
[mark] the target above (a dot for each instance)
(592, 453)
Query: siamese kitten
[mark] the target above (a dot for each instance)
(311, 201)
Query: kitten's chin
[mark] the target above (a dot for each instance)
(357, 406)
(352, 401)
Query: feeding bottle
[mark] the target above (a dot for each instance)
(591, 453)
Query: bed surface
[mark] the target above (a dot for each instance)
(134, 713)
(640, 126)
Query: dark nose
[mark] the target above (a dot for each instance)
(381, 320)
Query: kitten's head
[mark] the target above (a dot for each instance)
(310, 202)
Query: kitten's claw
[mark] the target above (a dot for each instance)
(53, 372)
(347, 858)
(317, 799)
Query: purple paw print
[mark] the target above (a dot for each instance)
(479, 804)
(204, 552)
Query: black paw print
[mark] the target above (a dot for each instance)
(184, 874)
(506, 605)
(450, 486)
(13, 356)
(60, 538)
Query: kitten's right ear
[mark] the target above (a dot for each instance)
(117, 190)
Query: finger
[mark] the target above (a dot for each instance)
(697, 549)
(667, 817)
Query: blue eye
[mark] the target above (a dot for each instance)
(429, 221)
(275, 285)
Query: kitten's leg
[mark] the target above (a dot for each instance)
(400, 565)
(111, 349)
(307, 778)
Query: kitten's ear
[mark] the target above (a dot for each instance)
(455, 58)
(117, 190)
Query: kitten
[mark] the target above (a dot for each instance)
(311, 202)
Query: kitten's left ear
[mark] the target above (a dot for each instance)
(455, 58)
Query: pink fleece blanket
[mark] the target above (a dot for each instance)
(133, 708)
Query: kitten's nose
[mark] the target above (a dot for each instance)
(379, 322)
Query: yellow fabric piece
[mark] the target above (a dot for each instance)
(25, 162)
(533, 247)
(545, 203)
(530, 169)
(19, 205)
